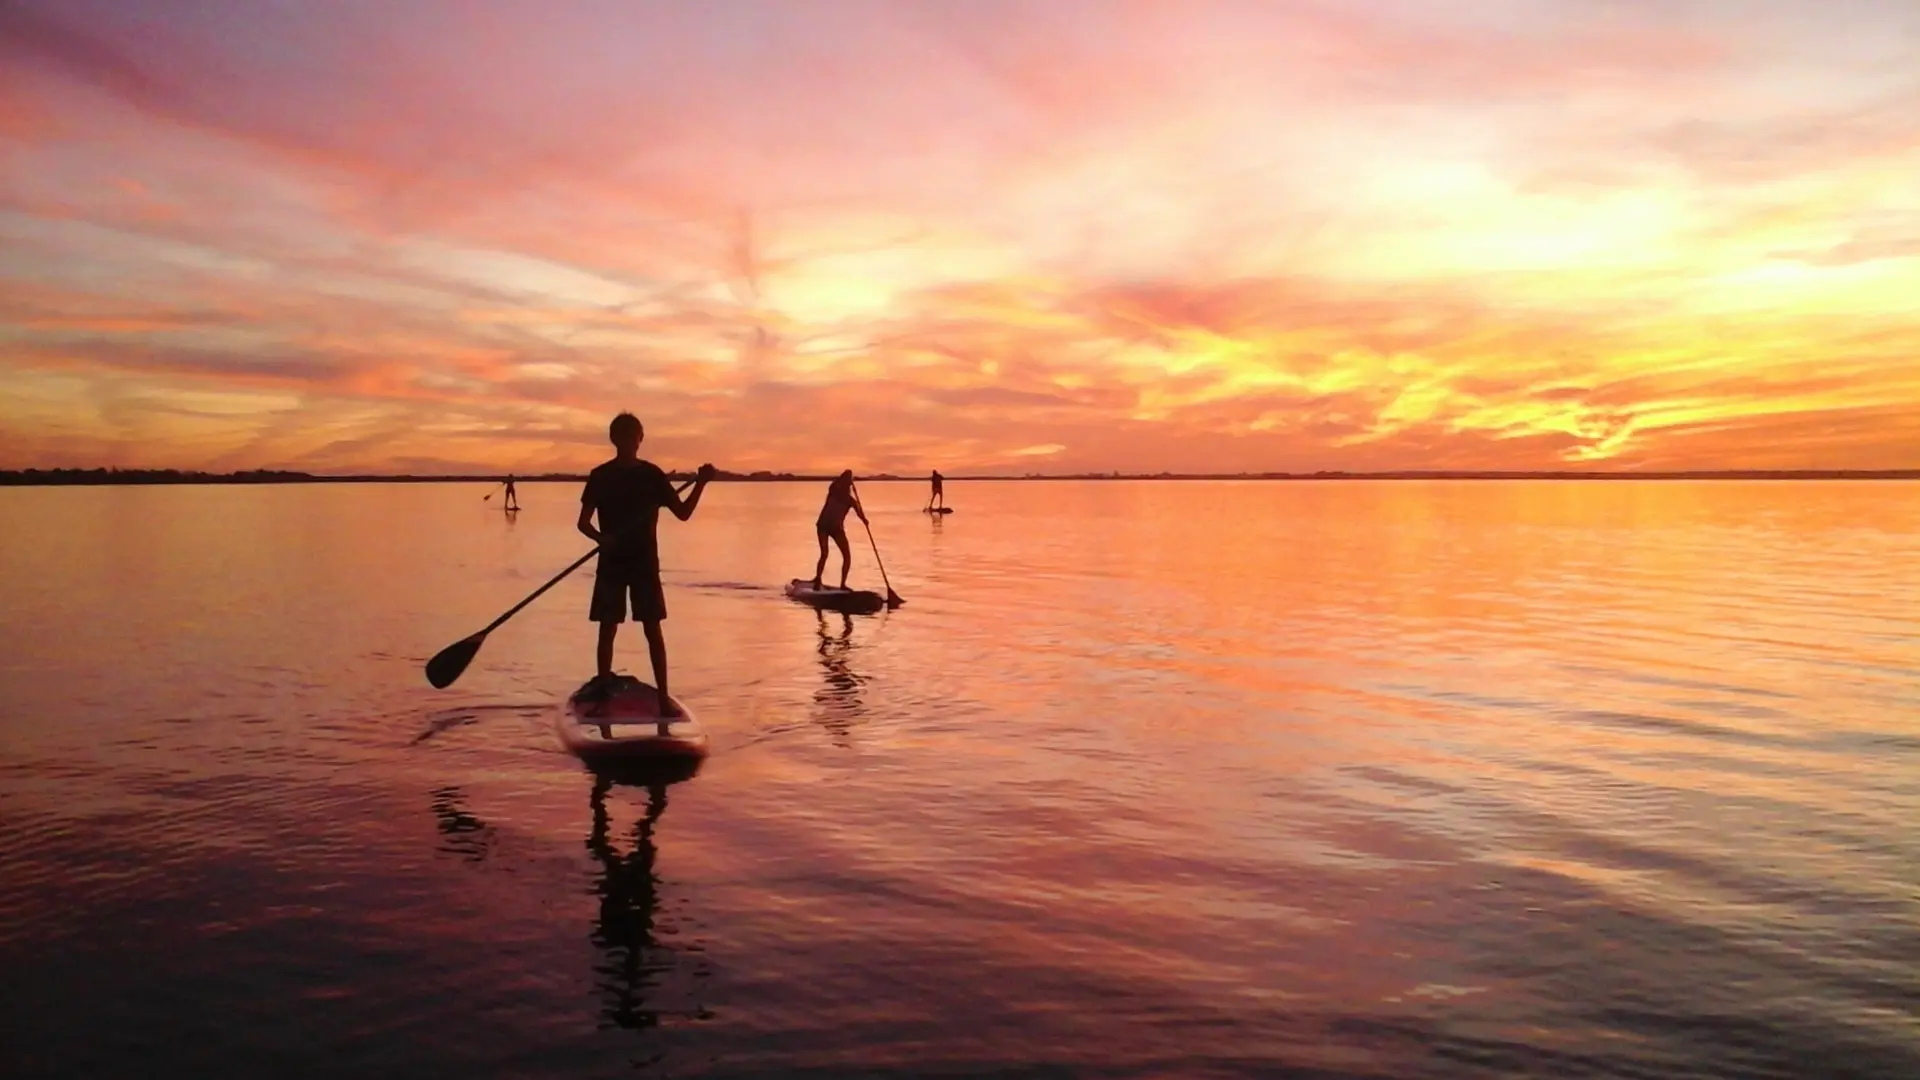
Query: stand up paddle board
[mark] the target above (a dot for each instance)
(623, 726)
(938, 510)
(853, 601)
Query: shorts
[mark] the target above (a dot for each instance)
(836, 530)
(612, 589)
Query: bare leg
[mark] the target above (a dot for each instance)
(821, 566)
(657, 651)
(604, 656)
(846, 556)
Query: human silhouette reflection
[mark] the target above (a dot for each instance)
(839, 700)
(634, 960)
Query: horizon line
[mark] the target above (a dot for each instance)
(114, 476)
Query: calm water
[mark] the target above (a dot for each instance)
(1192, 779)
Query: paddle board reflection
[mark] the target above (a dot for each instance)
(839, 700)
(634, 963)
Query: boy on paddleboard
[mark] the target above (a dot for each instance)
(832, 524)
(627, 495)
(938, 496)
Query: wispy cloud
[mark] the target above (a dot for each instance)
(992, 234)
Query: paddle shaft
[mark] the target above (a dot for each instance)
(557, 578)
(876, 553)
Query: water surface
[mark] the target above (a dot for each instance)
(1147, 779)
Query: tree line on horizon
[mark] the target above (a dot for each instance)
(110, 475)
(114, 475)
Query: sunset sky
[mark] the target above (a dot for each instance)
(979, 235)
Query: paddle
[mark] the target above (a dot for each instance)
(893, 598)
(451, 662)
(492, 493)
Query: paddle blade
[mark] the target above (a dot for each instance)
(893, 599)
(448, 664)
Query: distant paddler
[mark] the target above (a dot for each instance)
(512, 500)
(939, 496)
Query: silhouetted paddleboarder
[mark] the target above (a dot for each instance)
(832, 524)
(513, 497)
(627, 494)
(939, 496)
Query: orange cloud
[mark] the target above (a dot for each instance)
(1212, 236)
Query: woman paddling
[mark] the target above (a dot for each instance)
(833, 524)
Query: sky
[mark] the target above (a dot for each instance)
(988, 236)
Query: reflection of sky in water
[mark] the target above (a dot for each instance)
(1378, 778)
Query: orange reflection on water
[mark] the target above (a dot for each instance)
(1349, 775)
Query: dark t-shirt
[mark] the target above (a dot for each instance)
(628, 498)
(833, 514)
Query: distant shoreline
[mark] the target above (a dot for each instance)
(118, 477)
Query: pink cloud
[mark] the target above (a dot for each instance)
(892, 235)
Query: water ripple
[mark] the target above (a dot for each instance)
(1328, 780)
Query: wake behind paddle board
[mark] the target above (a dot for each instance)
(853, 601)
(623, 727)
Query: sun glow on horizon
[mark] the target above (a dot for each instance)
(1232, 237)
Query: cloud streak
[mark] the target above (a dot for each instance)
(993, 235)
